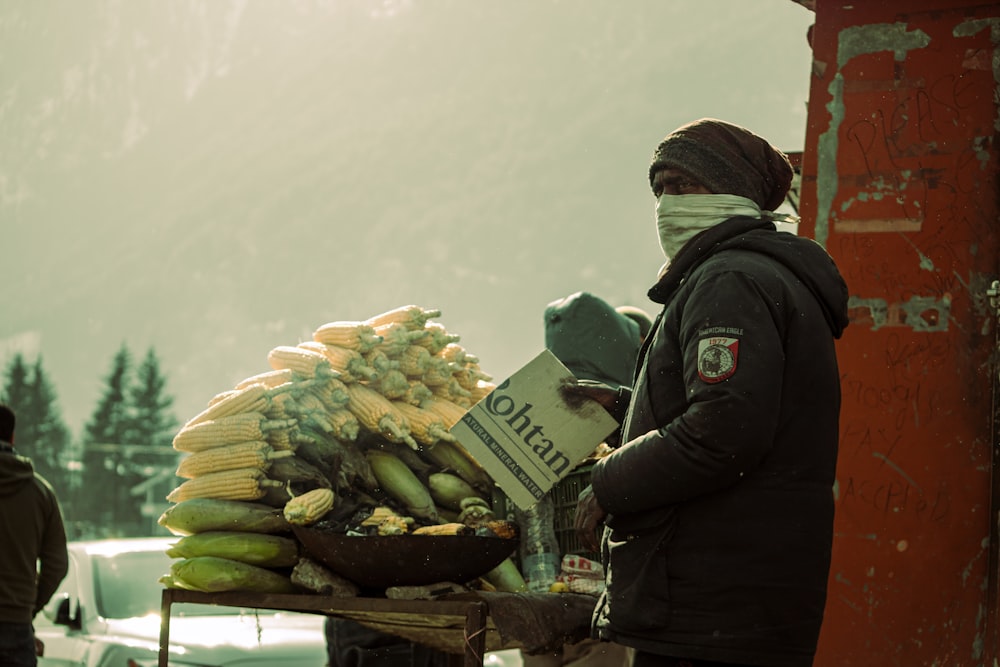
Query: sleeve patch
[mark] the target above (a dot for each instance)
(717, 357)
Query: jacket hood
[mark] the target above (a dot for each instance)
(808, 260)
(15, 471)
(592, 339)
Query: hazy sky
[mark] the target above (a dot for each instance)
(211, 179)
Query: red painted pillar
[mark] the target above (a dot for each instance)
(900, 183)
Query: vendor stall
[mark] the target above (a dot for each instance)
(465, 625)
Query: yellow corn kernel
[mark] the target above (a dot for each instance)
(377, 414)
(309, 507)
(414, 361)
(240, 427)
(426, 427)
(305, 362)
(454, 353)
(269, 379)
(391, 384)
(253, 398)
(481, 391)
(344, 424)
(351, 366)
(449, 412)
(351, 335)
(239, 484)
(413, 317)
(439, 337)
(250, 454)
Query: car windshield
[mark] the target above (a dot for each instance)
(127, 585)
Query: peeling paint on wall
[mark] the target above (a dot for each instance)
(974, 27)
(919, 313)
(852, 42)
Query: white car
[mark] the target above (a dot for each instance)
(106, 613)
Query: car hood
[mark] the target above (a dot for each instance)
(273, 638)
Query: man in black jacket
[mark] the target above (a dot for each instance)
(31, 531)
(718, 506)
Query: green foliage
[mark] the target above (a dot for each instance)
(126, 443)
(40, 434)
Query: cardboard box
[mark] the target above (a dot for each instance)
(527, 436)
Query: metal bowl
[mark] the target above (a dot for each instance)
(405, 560)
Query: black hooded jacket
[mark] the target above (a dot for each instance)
(31, 530)
(720, 502)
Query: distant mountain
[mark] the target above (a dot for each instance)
(216, 178)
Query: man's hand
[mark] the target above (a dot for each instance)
(573, 391)
(39, 648)
(588, 519)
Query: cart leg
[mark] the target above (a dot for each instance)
(165, 600)
(475, 634)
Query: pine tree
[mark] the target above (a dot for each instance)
(152, 427)
(151, 421)
(106, 501)
(41, 433)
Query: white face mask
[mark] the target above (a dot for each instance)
(681, 217)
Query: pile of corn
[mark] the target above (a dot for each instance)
(360, 416)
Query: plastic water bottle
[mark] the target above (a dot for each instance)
(539, 549)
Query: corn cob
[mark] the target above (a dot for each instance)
(351, 335)
(198, 515)
(378, 414)
(211, 574)
(453, 391)
(449, 412)
(414, 361)
(253, 398)
(345, 425)
(396, 337)
(280, 439)
(391, 384)
(397, 480)
(438, 372)
(250, 454)
(439, 337)
(452, 457)
(281, 406)
(507, 530)
(239, 484)
(218, 398)
(425, 426)
(308, 507)
(481, 390)
(457, 354)
(312, 410)
(444, 529)
(254, 548)
(296, 358)
(269, 379)
(506, 578)
(449, 490)
(379, 514)
(380, 361)
(332, 393)
(413, 317)
(468, 375)
(240, 427)
(417, 393)
(351, 366)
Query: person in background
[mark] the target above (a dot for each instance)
(33, 556)
(718, 506)
(640, 317)
(597, 343)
